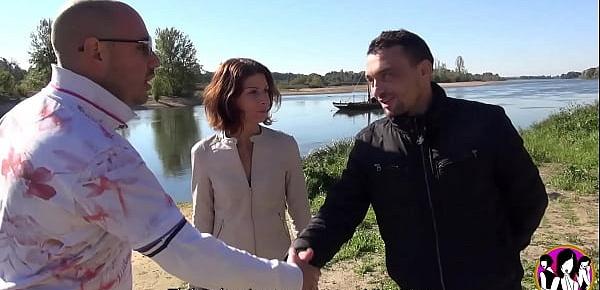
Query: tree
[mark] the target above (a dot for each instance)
(590, 73)
(205, 77)
(315, 81)
(571, 75)
(440, 72)
(10, 75)
(161, 86)
(7, 84)
(299, 80)
(13, 68)
(179, 66)
(35, 79)
(342, 77)
(41, 54)
(460, 65)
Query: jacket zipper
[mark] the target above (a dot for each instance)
(250, 191)
(420, 142)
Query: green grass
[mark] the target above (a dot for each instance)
(366, 239)
(569, 138)
(323, 168)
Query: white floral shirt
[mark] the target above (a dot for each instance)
(75, 196)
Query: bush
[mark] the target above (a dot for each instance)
(570, 138)
(7, 84)
(324, 166)
(161, 87)
(34, 81)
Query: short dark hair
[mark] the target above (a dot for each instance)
(414, 45)
(546, 258)
(584, 259)
(226, 87)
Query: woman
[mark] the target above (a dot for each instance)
(246, 175)
(546, 277)
(566, 265)
(584, 273)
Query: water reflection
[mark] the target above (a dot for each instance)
(175, 132)
(164, 137)
(369, 115)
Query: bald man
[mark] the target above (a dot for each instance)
(76, 198)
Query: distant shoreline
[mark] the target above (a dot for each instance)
(363, 88)
(170, 102)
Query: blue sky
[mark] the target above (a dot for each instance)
(506, 37)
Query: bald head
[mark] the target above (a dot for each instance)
(85, 19)
(108, 43)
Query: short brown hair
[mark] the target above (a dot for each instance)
(226, 87)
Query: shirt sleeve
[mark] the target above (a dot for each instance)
(202, 193)
(205, 261)
(344, 209)
(519, 179)
(119, 193)
(295, 187)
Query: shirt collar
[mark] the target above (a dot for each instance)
(103, 106)
(435, 109)
(222, 136)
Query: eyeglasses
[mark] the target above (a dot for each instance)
(146, 44)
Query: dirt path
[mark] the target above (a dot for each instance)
(569, 219)
(147, 275)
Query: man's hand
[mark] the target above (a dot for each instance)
(310, 273)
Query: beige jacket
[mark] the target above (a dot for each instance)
(249, 218)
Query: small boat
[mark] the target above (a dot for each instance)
(366, 105)
(358, 106)
(353, 113)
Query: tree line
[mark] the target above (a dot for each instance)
(587, 74)
(442, 74)
(178, 75)
(15, 81)
(181, 74)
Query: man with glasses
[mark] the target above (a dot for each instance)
(76, 198)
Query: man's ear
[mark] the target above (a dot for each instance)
(92, 49)
(425, 68)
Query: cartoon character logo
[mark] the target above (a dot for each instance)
(564, 268)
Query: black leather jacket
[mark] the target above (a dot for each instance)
(455, 193)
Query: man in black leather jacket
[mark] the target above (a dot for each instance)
(456, 194)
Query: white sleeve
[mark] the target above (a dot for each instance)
(203, 214)
(205, 261)
(295, 190)
(120, 194)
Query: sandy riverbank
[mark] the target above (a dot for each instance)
(147, 275)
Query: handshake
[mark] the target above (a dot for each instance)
(310, 273)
